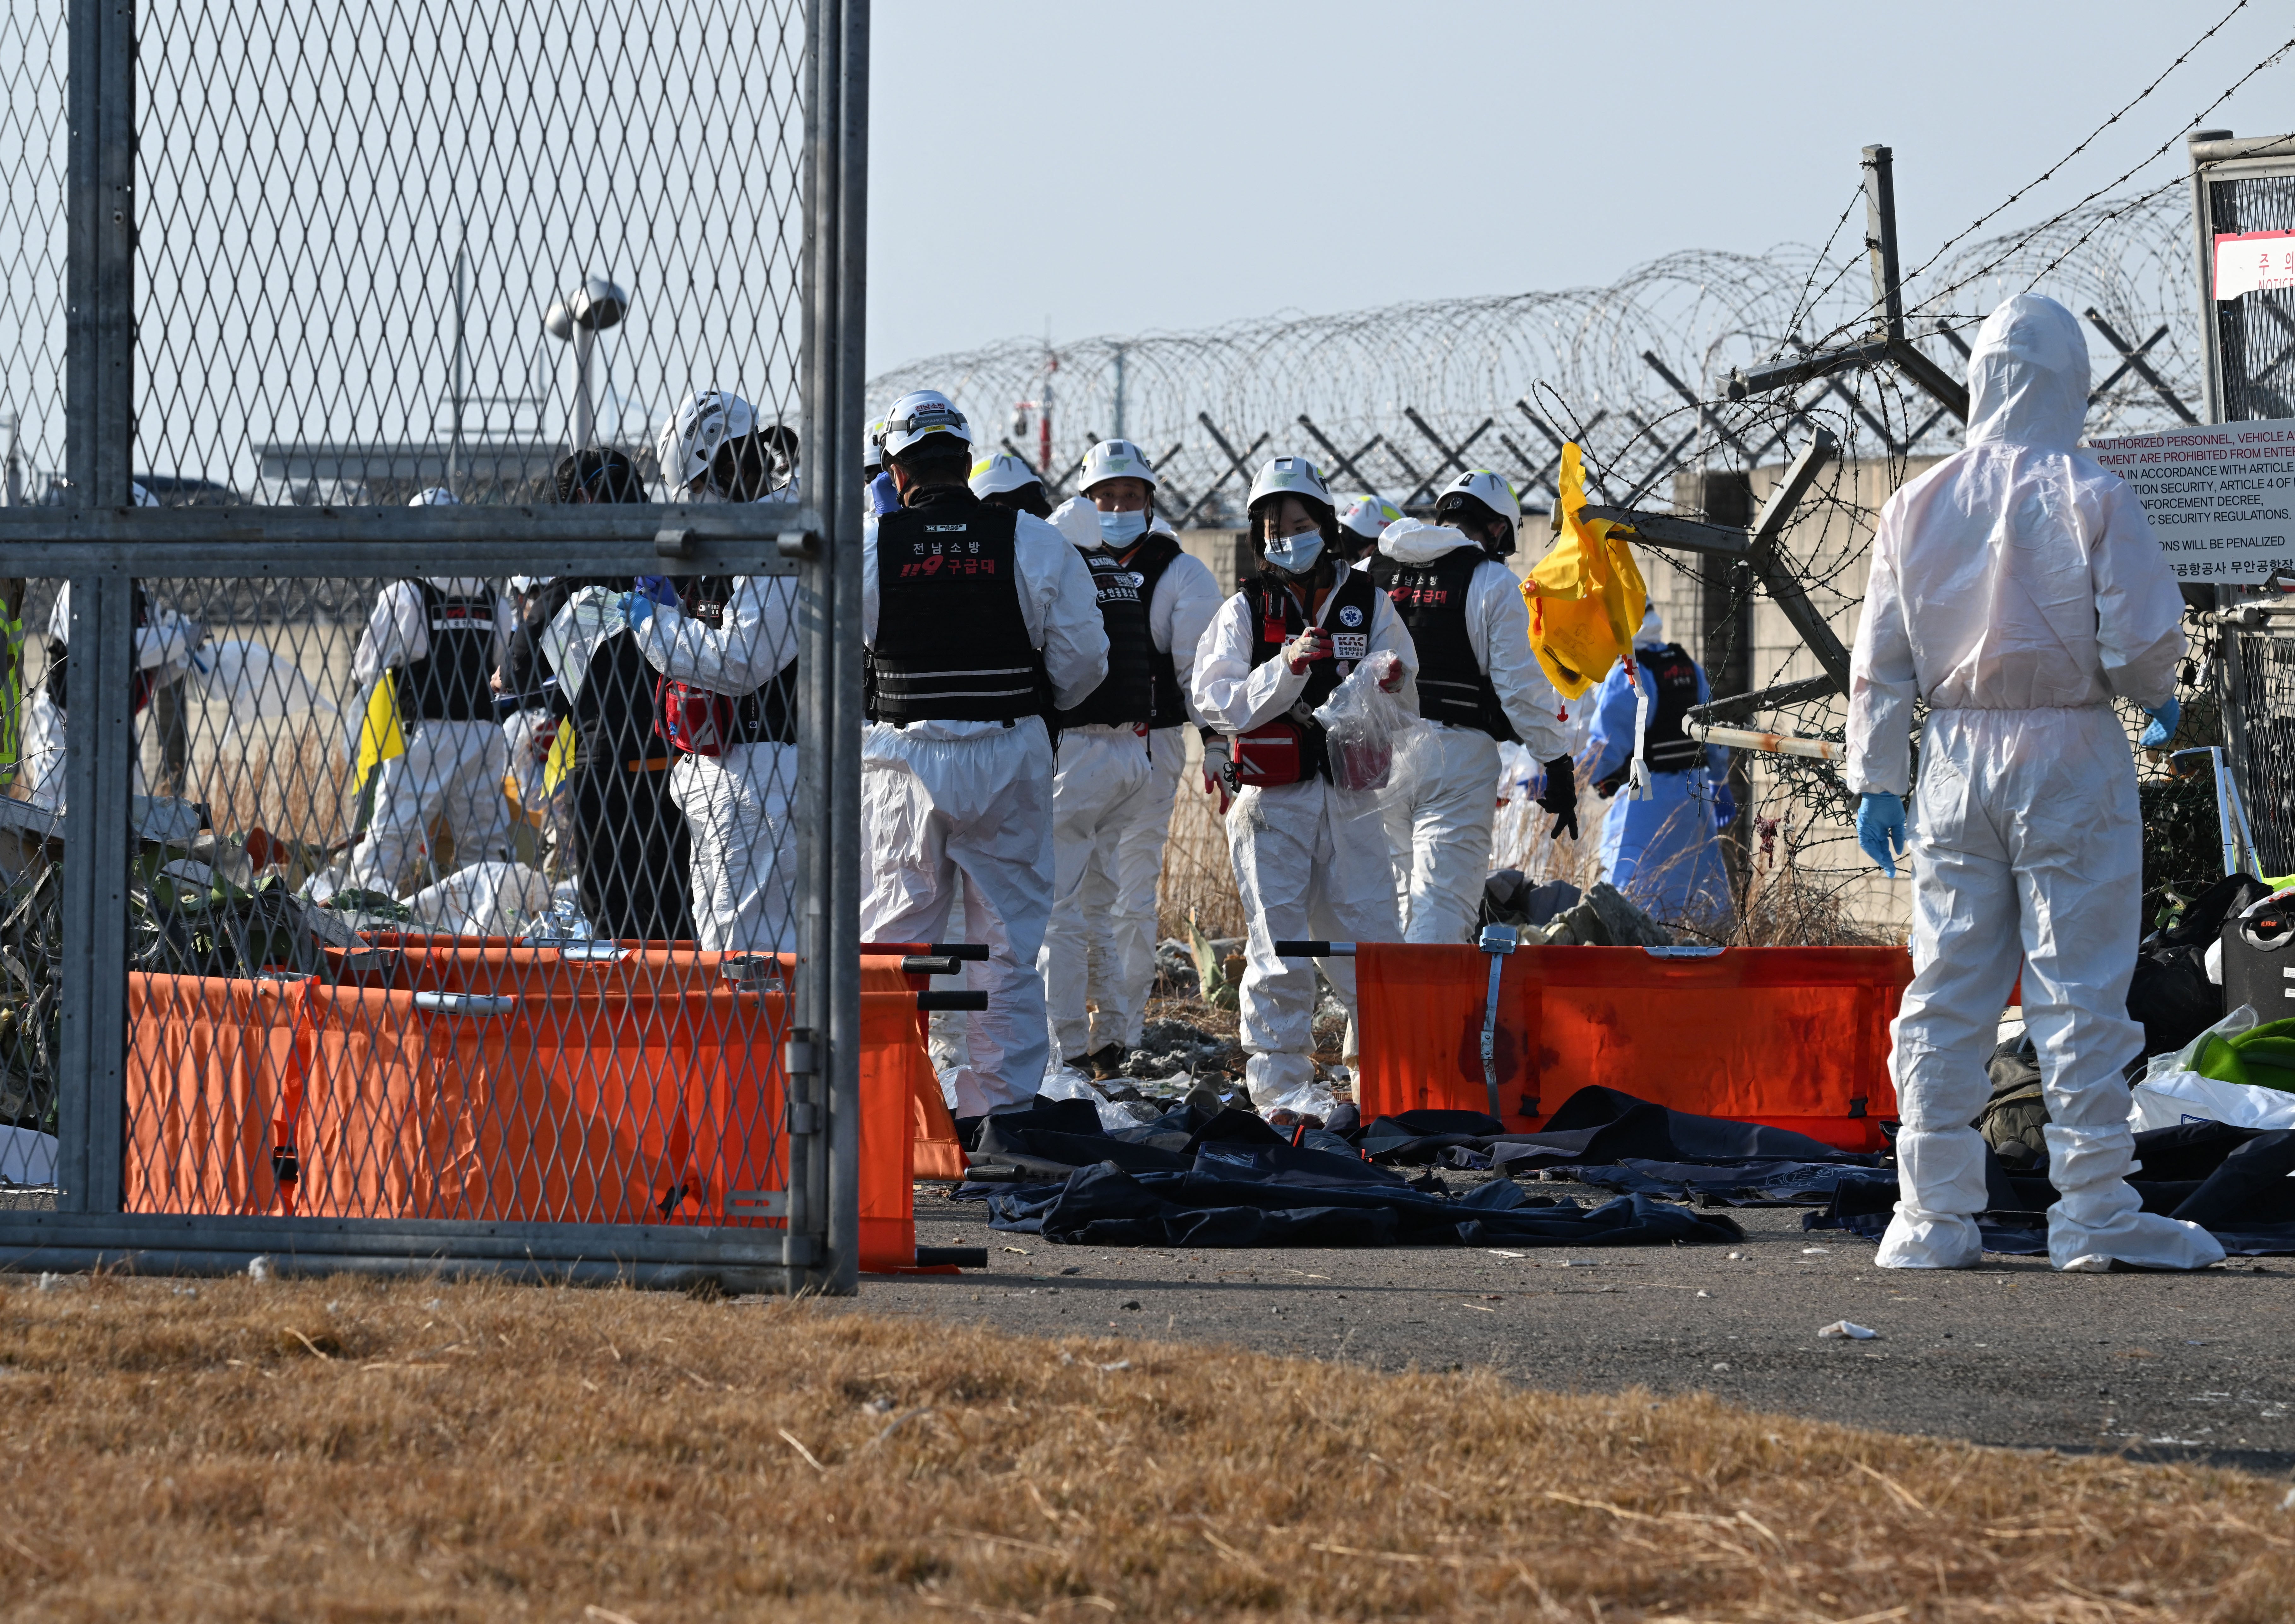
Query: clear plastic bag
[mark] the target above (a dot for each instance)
(1363, 724)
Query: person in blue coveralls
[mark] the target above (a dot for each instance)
(1662, 851)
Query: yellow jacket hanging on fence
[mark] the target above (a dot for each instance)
(1586, 595)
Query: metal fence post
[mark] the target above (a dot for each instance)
(843, 398)
(824, 1170)
(99, 408)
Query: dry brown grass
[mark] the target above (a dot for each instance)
(1197, 877)
(349, 1450)
(289, 777)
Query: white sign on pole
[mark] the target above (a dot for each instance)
(2217, 495)
(2254, 261)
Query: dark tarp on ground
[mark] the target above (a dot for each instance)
(1197, 1178)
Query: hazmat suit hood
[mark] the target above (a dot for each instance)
(2028, 377)
(1409, 541)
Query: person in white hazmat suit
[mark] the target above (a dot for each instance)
(727, 654)
(438, 641)
(1112, 801)
(167, 645)
(978, 622)
(1479, 685)
(1311, 858)
(2017, 588)
(1362, 520)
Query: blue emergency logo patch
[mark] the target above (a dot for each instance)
(1351, 615)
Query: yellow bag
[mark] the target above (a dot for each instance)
(380, 735)
(1586, 595)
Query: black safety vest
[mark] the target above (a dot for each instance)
(1665, 746)
(1276, 618)
(1430, 598)
(766, 716)
(1127, 694)
(450, 682)
(1150, 559)
(951, 644)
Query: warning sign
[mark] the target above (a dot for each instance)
(2219, 495)
(2254, 261)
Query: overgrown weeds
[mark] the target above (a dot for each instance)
(345, 1448)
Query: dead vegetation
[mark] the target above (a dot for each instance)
(345, 1449)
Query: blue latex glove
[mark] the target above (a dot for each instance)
(1880, 829)
(1725, 807)
(637, 608)
(884, 495)
(2164, 716)
(658, 588)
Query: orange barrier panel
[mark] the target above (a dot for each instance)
(496, 965)
(597, 1091)
(208, 1062)
(1794, 1037)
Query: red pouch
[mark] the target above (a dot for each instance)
(1269, 756)
(694, 720)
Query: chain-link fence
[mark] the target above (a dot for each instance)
(431, 799)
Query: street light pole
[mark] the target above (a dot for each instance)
(579, 317)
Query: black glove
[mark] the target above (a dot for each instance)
(1560, 795)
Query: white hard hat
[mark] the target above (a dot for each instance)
(1289, 476)
(1487, 488)
(140, 497)
(1369, 515)
(1115, 460)
(691, 435)
(436, 497)
(919, 415)
(871, 458)
(1002, 472)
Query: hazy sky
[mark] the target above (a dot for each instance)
(1115, 168)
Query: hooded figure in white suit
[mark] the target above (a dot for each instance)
(2017, 588)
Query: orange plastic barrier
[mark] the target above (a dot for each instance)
(1794, 1037)
(497, 965)
(645, 1090)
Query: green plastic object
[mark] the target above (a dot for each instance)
(2262, 1056)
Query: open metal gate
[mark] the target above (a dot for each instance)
(312, 948)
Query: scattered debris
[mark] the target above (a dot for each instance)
(1849, 1330)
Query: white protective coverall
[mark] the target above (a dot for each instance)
(1185, 599)
(2017, 588)
(451, 769)
(1311, 858)
(1111, 811)
(737, 803)
(1440, 816)
(1100, 769)
(163, 647)
(965, 808)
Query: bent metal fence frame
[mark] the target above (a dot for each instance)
(317, 228)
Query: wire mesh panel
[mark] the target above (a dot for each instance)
(387, 248)
(2253, 334)
(421, 744)
(32, 48)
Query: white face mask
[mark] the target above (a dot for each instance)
(1122, 529)
(1296, 554)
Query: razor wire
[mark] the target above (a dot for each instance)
(1397, 400)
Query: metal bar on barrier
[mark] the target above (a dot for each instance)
(930, 1001)
(1314, 950)
(930, 963)
(1770, 744)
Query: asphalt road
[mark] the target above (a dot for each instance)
(2191, 1368)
